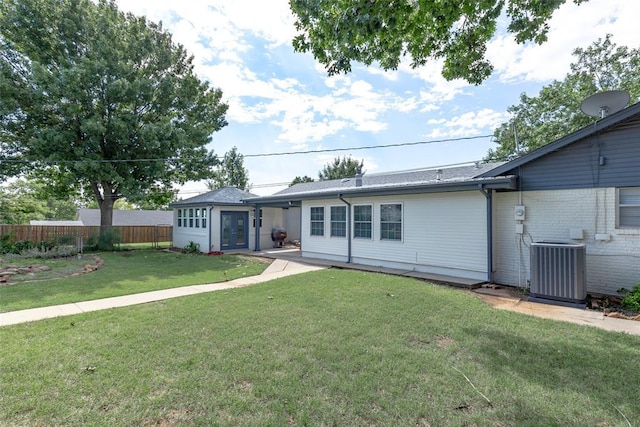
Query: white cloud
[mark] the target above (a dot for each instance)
(572, 26)
(468, 124)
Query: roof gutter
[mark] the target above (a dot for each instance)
(497, 183)
(348, 227)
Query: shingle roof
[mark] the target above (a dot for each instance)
(438, 178)
(127, 217)
(221, 196)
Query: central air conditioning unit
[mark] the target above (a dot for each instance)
(558, 274)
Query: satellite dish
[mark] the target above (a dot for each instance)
(602, 104)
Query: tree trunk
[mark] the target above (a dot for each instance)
(106, 199)
(106, 212)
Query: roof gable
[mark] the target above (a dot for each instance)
(220, 196)
(598, 127)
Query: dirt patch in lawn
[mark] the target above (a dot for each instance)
(16, 270)
(609, 305)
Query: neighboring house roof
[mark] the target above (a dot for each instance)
(228, 196)
(587, 131)
(127, 217)
(402, 182)
(56, 223)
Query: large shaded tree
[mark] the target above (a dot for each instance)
(555, 111)
(344, 167)
(230, 172)
(100, 101)
(338, 32)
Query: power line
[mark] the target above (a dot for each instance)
(325, 150)
(402, 144)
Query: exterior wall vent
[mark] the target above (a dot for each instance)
(558, 274)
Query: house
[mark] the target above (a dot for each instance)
(91, 217)
(220, 221)
(583, 188)
(432, 220)
(479, 221)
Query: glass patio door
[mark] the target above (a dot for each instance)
(234, 233)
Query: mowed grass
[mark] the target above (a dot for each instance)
(332, 347)
(128, 272)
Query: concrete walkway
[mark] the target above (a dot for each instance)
(277, 269)
(283, 266)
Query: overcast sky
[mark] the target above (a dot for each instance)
(282, 101)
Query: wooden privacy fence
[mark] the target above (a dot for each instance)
(68, 234)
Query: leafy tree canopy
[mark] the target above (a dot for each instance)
(344, 167)
(100, 101)
(300, 179)
(338, 32)
(555, 112)
(23, 201)
(231, 172)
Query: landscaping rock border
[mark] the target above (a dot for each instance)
(9, 271)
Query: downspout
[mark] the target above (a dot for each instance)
(210, 224)
(256, 219)
(488, 195)
(348, 228)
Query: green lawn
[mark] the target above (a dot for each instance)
(332, 347)
(128, 272)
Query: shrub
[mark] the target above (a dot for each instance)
(632, 299)
(61, 251)
(191, 248)
(105, 240)
(6, 244)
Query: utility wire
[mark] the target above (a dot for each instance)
(402, 144)
(326, 150)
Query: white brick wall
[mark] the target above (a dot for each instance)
(550, 215)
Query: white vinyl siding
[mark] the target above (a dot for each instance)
(443, 233)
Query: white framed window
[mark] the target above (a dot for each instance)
(179, 217)
(191, 218)
(362, 221)
(317, 221)
(391, 221)
(628, 207)
(197, 218)
(204, 217)
(338, 221)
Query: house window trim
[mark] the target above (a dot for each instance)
(312, 221)
(332, 221)
(620, 226)
(386, 239)
(179, 217)
(370, 222)
(203, 216)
